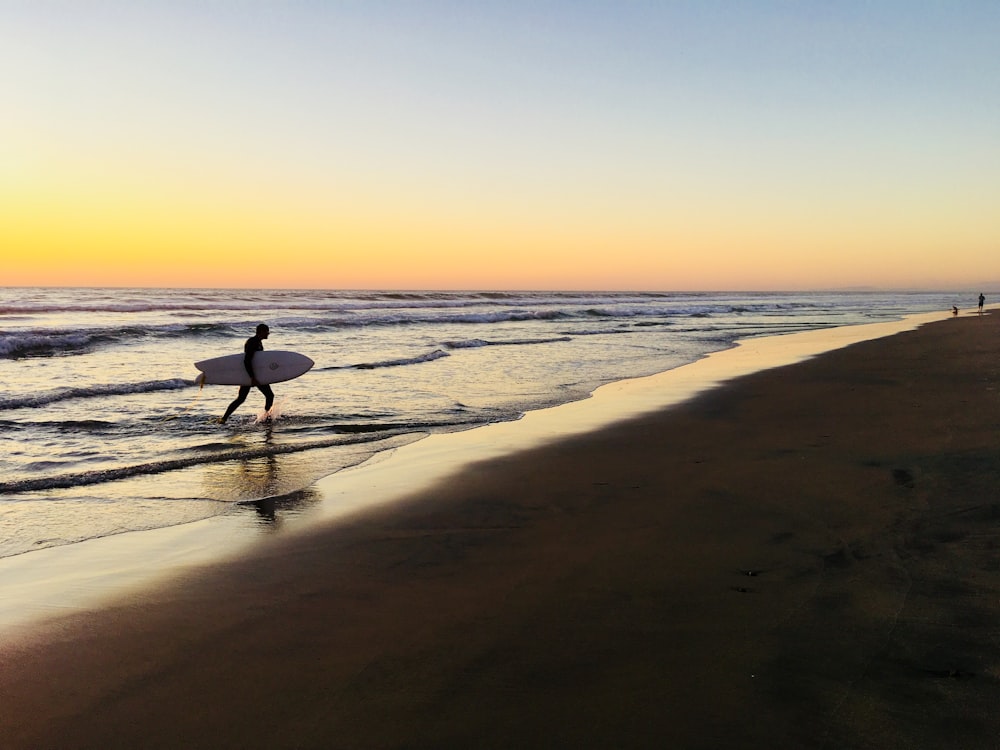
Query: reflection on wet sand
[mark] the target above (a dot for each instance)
(272, 510)
(272, 483)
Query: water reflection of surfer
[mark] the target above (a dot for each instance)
(253, 345)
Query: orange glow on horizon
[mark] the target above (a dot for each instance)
(121, 233)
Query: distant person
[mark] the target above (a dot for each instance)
(253, 345)
(982, 299)
(954, 310)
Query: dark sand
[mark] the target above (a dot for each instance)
(808, 557)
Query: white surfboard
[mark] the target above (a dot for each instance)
(268, 367)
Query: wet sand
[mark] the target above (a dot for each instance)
(807, 557)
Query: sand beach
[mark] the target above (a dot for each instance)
(806, 556)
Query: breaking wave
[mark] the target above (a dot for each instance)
(429, 357)
(112, 389)
(477, 343)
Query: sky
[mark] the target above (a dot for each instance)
(671, 145)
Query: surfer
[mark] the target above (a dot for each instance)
(253, 345)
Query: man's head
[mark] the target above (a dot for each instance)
(263, 331)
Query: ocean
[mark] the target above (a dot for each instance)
(103, 429)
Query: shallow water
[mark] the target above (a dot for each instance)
(104, 431)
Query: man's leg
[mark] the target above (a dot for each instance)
(244, 392)
(268, 396)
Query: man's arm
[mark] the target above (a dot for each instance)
(250, 349)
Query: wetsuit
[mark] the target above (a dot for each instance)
(250, 348)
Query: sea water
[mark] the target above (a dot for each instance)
(103, 429)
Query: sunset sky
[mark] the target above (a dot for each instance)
(529, 145)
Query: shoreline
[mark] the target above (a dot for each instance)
(804, 557)
(92, 573)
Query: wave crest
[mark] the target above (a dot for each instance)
(111, 389)
(429, 357)
(478, 343)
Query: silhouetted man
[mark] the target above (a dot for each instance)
(253, 345)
